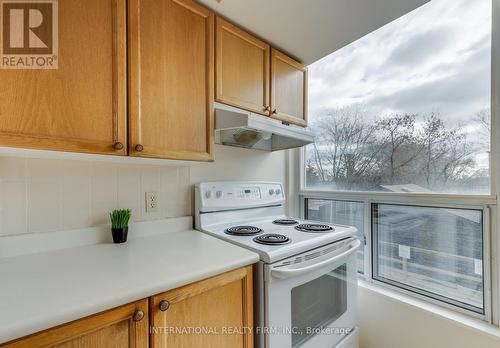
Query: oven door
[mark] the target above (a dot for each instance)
(311, 298)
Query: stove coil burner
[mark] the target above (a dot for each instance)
(243, 230)
(314, 228)
(285, 222)
(272, 239)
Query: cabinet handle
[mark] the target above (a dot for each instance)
(139, 148)
(138, 315)
(275, 111)
(163, 305)
(118, 146)
(267, 108)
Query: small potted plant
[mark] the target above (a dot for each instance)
(119, 224)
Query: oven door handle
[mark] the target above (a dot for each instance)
(284, 273)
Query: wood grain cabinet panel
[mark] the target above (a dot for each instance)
(288, 89)
(81, 106)
(122, 327)
(242, 68)
(214, 305)
(171, 79)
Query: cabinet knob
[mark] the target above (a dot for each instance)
(267, 108)
(118, 146)
(138, 315)
(275, 111)
(163, 305)
(139, 148)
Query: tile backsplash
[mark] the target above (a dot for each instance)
(41, 195)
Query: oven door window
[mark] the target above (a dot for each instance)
(318, 303)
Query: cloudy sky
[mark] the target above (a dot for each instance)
(436, 58)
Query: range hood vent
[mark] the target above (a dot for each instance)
(236, 127)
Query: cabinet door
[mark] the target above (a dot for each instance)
(125, 326)
(288, 89)
(242, 68)
(171, 79)
(81, 106)
(221, 307)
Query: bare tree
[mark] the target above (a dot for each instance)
(343, 151)
(446, 155)
(354, 150)
(483, 118)
(396, 135)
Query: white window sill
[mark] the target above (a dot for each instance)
(458, 318)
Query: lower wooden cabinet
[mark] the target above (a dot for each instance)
(125, 326)
(213, 313)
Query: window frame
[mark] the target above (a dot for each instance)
(429, 295)
(488, 203)
(476, 203)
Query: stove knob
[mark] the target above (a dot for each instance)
(208, 194)
(218, 194)
(271, 192)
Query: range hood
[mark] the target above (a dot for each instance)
(237, 127)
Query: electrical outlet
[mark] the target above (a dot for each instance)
(152, 202)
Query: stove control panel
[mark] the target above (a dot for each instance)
(248, 193)
(213, 196)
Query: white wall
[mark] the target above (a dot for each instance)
(42, 195)
(233, 163)
(388, 323)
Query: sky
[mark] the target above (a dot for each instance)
(437, 58)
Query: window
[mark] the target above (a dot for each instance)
(340, 212)
(402, 152)
(437, 252)
(406, 108)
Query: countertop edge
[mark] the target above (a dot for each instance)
(37, 324)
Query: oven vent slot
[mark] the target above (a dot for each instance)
(329, 250)
(311, 256)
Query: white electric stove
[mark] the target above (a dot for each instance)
(306, 282)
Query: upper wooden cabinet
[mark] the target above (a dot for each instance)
(288, 89)
(221, 304)
(122, 327)
(171, 67)
(252, 76)
(242, 68)
(81, 106)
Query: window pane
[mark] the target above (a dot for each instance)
(342, 213)
(437, 252)
(407, 107)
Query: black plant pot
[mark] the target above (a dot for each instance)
(119, 234)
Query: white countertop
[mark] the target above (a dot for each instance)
(43, 290)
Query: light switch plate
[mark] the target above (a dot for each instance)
(152, 202)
